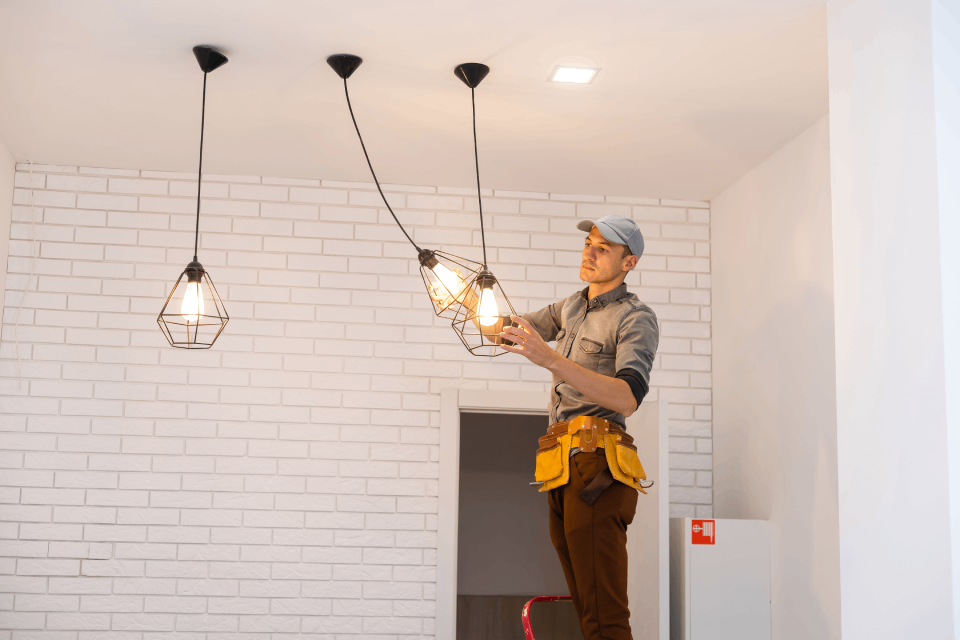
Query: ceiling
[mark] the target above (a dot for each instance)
(692, 93)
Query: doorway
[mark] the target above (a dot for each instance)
(504, 555)
(647, 543)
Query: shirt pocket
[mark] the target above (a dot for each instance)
(592, 355)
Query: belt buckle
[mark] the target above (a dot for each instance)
(597, 428)
(588, 445)
(588, 425)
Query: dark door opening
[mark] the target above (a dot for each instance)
(505, 556)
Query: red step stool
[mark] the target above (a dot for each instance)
(525, 616)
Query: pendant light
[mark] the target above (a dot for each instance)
(193, 315)
(461, 290)
(485, 310)
(444, 275)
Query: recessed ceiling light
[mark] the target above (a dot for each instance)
(574, 75)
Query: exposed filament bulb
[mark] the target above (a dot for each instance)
(452, 282)
(192, 306)
(487, 311)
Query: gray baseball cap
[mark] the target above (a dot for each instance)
(616, 229)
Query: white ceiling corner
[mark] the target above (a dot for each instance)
(691, 95)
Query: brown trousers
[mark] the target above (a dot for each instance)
(591, 541)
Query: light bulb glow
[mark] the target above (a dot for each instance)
(453, 282)
(449, 286)
(192, 306)
(487, 311)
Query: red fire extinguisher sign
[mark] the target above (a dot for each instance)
(704, 531)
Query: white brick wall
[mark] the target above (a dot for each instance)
(286, 480)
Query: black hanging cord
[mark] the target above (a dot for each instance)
(375, 181)
(203, 113)
(476, 158)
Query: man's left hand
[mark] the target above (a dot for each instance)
(528, 343)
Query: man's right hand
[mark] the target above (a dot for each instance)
(528, 343)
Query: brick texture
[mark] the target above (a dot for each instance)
(285, 481)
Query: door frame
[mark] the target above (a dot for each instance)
(453, 402)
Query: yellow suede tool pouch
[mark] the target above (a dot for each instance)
(553, 464)
(624, 462)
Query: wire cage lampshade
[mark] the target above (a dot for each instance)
(447, 278)
(193, 317)
(482, 314)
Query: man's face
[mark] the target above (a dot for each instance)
(602, 260)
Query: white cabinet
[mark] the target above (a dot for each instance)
(719, 579)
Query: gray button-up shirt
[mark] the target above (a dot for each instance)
(611, 334)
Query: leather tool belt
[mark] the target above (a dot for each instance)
(588, 433)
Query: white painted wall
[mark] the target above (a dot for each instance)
(287, 479)
(945, 19)
(7, 168)
(891, 404)
(775, 446)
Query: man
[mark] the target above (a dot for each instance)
(606, 343)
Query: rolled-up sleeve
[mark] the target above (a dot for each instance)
(547, 320)
(637, 339)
